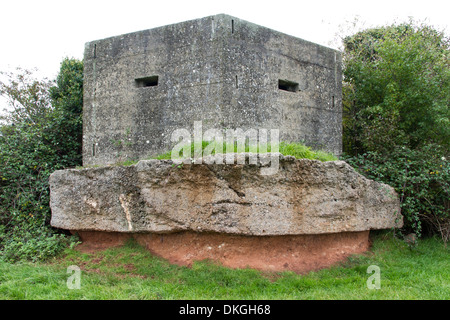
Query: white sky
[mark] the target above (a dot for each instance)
(40, 33)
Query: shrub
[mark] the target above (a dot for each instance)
(421, 177)
(42, 134)
(396, 88)
(26, 242)
(396, 94)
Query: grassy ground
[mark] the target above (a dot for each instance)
(131, 272)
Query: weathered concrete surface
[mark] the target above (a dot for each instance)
(220, 70)
(303, 197)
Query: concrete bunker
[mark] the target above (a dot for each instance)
(227, 73)
(224, 71)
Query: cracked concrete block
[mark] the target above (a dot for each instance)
(154, 196)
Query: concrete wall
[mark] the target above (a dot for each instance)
(221, 70)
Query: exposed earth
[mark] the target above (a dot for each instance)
(298, 253)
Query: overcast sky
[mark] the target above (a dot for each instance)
(40, 33)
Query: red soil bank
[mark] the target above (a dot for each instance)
(299, 253)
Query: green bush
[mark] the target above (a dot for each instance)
(31, 243)
(42, 133)
(396, 89)
(421, 178)
(396, 98)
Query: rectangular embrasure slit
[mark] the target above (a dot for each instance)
(287, 85)
(146, 82)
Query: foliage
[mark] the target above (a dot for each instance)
(28, 98)
(396, 88)
(422, 180)
(67, 100)
(396, 97)
(27, 242)
(42, 134)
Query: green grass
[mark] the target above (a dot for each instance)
(297, 150)
(301, 151)
(131, 272)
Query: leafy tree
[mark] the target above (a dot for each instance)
(42, 134)
(396, 94)
(67, 100)
(396, 88)
(28, 98)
